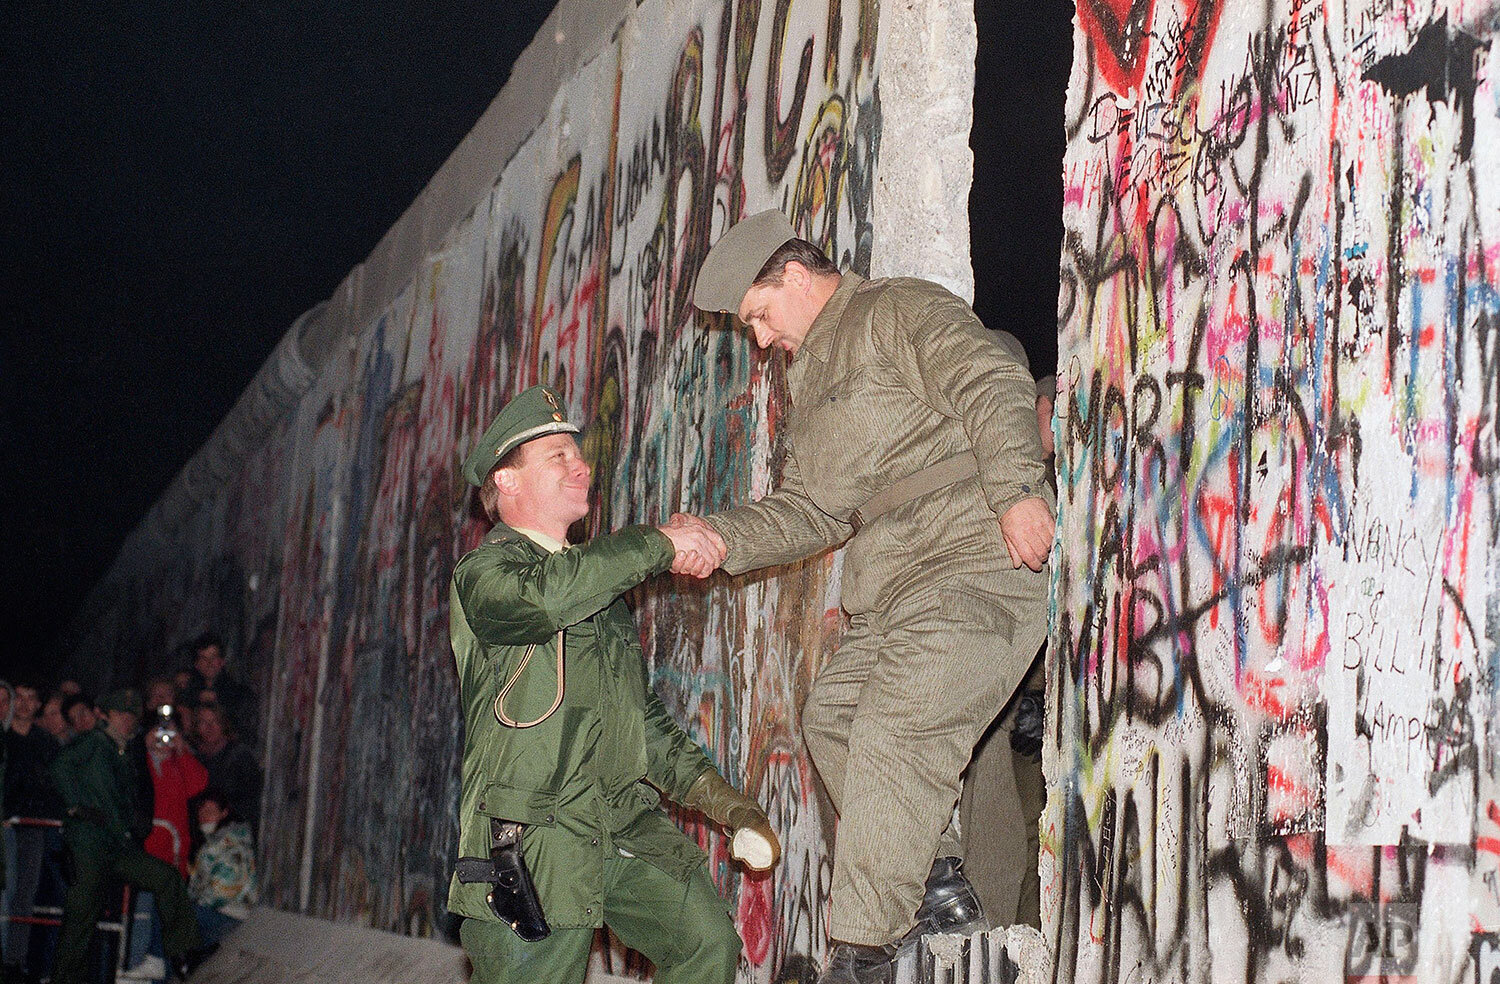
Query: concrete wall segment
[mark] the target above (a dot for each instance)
(573, 33)
(921, 208)
(1273, 677)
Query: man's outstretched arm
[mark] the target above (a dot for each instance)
(778, 528)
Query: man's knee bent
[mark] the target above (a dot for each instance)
(825, 728)
(712, 956)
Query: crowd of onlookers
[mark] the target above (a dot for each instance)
(157, 786)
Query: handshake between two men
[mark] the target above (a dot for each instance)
(700, 548)
(886, 379)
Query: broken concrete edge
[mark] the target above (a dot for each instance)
(277, 947)
(1023, 946)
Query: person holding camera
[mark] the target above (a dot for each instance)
(176, 777)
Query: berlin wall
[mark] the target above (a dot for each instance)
(1275, 652)
(318, 530)
(1276, 633)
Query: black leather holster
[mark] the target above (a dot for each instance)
(512, 896)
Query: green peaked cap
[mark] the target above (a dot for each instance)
(532, 413)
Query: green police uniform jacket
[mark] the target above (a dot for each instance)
(579, 779)
(895, 375)
(97, 781)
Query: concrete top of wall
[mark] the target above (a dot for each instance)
(571, 35)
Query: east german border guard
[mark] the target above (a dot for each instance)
(912, 430)
(96, 776)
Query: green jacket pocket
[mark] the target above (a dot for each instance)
(534, 807)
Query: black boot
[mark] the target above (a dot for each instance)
(855, 963)
(949, 904)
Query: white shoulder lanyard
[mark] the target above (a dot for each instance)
(511, 722)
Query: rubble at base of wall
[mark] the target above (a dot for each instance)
(274, 947)
(1011, 955)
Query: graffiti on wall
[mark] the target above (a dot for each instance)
(1276, 652)
(337, 543)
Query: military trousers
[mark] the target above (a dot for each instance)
(94, 864)
(1000, 809)
(891, 723)
(684, 929)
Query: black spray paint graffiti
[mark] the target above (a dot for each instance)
(1273, 664)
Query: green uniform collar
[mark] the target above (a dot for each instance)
(500, 533)
(542, 540)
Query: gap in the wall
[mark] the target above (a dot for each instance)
(1015, 206)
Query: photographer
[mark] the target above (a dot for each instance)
(176, 777)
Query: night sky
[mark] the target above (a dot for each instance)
(182, 181)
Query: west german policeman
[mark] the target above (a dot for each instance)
(568, 750)
(912, 430)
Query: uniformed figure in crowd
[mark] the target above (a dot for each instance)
(567, 748)
(103, 829)
(912, 430)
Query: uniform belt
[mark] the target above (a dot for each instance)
(946, 472)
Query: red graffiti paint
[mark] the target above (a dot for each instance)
(756, 916)
(1263, 694)
(1217, 514)
(1200, 20)
(1119, 31)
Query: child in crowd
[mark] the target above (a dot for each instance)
(223, 885)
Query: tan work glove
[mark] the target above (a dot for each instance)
(754, 842)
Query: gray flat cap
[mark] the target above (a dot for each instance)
(730, 267)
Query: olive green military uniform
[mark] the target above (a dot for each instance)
(894, 376)
(586, 780)
(1001, 806)
(97, 780)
